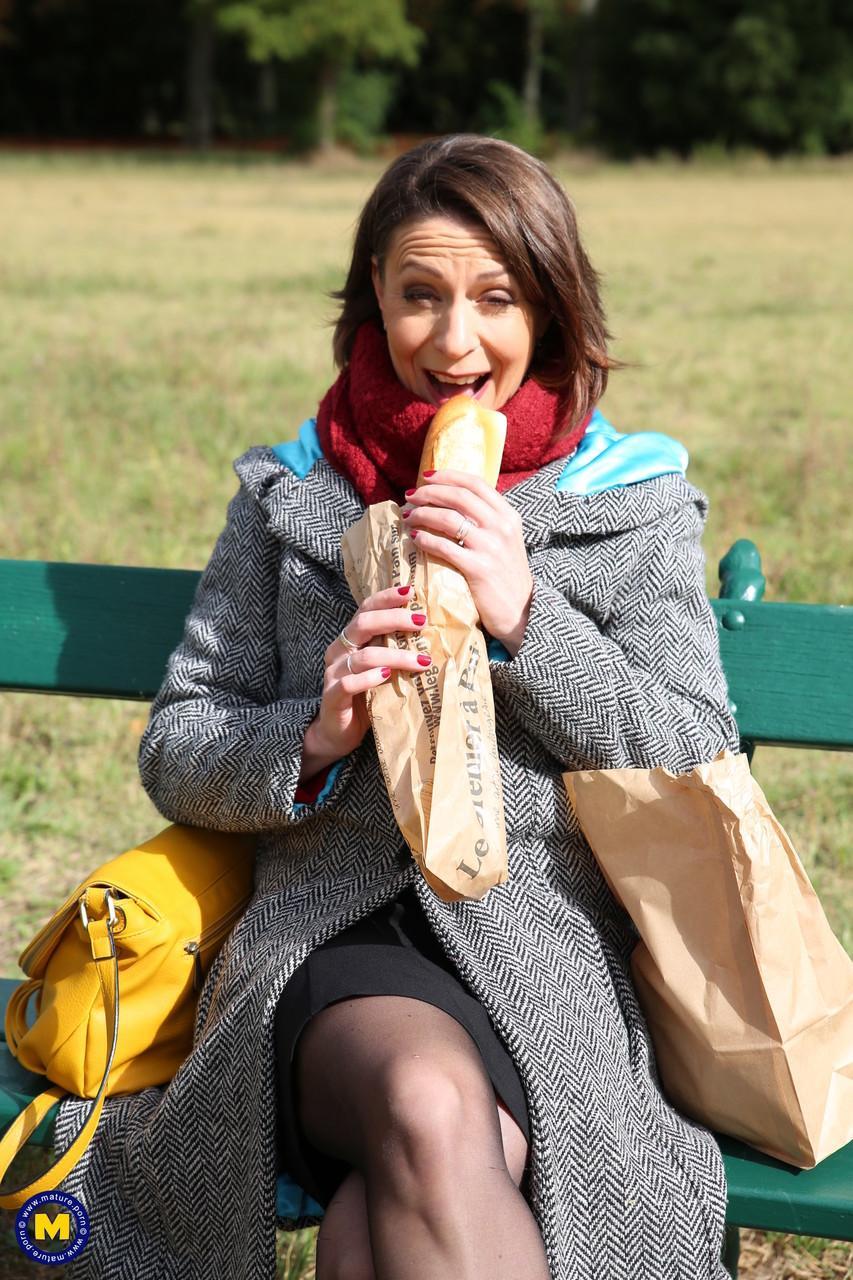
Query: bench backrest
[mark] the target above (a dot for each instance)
(107, 631)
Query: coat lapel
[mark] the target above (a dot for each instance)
(310, 514)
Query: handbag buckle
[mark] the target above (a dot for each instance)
(112, 918)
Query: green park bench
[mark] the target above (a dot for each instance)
(106, 631)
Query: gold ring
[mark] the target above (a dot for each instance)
(345, 640)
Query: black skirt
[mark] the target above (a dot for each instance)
(391, 952)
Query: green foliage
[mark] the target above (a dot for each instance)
(291, 29)
(363, 102)
(774, 74)
(465, 46)
(335, 34)
(502, 115)
(640, 76)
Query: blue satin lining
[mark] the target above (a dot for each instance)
(299, 455)
(326, 788)
(608, 459)
(292, 1202)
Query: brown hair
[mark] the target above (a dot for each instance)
(531, 220)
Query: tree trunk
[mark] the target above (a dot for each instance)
(533, 64)
(327, 109)
(199, 84)
(268, 95)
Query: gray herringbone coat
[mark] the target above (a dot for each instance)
(619, 666)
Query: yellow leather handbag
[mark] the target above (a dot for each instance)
(137, 936)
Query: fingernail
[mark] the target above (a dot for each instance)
(408, 493)
(419, 619)
(404, 591)
(424, 659)
(430, 473)
(406, 512)
(413, 533)
(386, 671)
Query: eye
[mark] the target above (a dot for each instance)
(417, 295)
(498, 300)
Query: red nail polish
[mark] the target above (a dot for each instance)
(413, 533)
(386, 671)
(404, 591)
(424, 659)
(419, 619)
(430, 473)
(406, 512)
(409, 492)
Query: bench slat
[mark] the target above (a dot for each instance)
(107, 631)
(100, 630)
(771, 1196)
(789, 669)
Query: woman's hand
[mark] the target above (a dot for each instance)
(493, 558)
(342, 720)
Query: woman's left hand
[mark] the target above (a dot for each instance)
(493, 559)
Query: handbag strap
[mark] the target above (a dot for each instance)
(102, 943)
(16, 1013)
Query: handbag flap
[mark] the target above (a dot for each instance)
(195, 879)
(33, 959)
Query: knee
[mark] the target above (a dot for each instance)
(428, 1114)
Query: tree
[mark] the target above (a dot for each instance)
(677, 74)
(199, 73)
(542, 20)
(337, 32)
(539, 14)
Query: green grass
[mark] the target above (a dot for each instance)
(156, 319)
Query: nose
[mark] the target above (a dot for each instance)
(455, 334)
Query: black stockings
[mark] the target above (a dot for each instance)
(397, 1089)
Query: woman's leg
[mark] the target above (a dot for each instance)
(343, 1241)
(397, 1088)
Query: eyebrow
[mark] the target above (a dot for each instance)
(414, 265)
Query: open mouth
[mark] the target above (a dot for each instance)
(447, 390)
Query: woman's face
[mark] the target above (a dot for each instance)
(455, 319)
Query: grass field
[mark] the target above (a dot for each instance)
(156, 319)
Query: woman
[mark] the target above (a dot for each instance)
(468, 1088)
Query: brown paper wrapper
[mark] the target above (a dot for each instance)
(434, 731)
(747, 993)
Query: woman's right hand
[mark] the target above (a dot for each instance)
(342, 721)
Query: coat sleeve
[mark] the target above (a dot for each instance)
(221, 749)
(643, 689)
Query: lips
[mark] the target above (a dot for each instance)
(442, 391)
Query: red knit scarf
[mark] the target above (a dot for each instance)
(372, 429)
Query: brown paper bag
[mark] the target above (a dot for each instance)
(747, 993)
(435, 730)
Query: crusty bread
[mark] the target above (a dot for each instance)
(464, 436)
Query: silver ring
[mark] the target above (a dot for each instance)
(463, 530)
(349, 664)
(345, 640)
